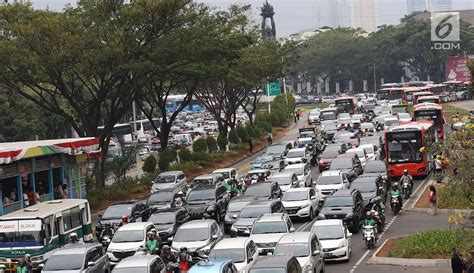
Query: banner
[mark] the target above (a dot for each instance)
(457, 70)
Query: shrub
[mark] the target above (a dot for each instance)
(188, 167)
(242, 133)
(149, 166)
(251, 131)
(166, 157)
(233, 137)
(454, 198)
(211, 144)
(202, 158)
(222, 142)
(264, 126)
(185, 155)
(200, 145)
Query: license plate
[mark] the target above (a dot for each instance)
(327, 255)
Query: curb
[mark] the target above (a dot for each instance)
(374, 260)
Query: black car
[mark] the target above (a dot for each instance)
(376, 167)
(135, 210)
(234, 207)
(167, 221)
(274, 166)
(210, 202)
(345, 204)
(250, 213)
(264, 190)
(278, 150)
(163, 199)
(347, 165)
(368, 188)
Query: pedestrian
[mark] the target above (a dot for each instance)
(269, 138)
(26, 201)
(58, 191)
(470, 262)
(13, 196)
(432, 200)
(457, 264)
(65, 191)
(295, 115)
(6, 201)
(28, 263)
(249, 140)
(31, 196)
(21, 268)
(184, 260)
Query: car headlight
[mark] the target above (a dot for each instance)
(211, 208)
(321, 216)
(37, 258)
(307, 267)
(305, 206)
(342, 244)
(226, 218)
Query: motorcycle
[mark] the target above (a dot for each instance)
(369, 236)
(380, 222)
(171, 267)
(395, 204)
(406, 189)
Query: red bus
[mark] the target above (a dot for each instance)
(345, 105)
(420, 94)
(405, 147)
(429, 99)
(408, 94)
(432, 112)
(391, 93)
(437, 89)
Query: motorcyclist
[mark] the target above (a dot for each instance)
(370, 221)
(406, 177)
(151, 244)
(167, 256)
(230, 185)
(184, 260)
(157, 237)
(124, 220)
(107, 231)
(379, 207)
(396, 192)
(179, 200)
(73, 240)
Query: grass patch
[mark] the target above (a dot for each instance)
(452, 109)
(454, 198)
(433, 244)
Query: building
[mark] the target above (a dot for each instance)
(347, 13)
(43, 165)
(465, 15)
(429, 5)
(365, 15)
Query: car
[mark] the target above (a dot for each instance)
(313, 117)
(127, 240)
(257, 163)
(268, 229)
(80, 258)
(208, 202)
(347, 205)
(368, 187)
(305, 142)
(297, 156)
(253, 175)
(303, 172)
(376, 140)
(213, 266)
(141, 263)
(250, 213)
(347, 165)
(326, 157)
(331, 181)
(199, 236)
(163, 199)
(328, 130)
(357, 118)
(227, 173)
(274, 166)
(328, 99)
(264, 190)
(340, 147)
(335, 239)
(213, 179)
(241, 250)
(361, 154)
(277, 150)
(376, 167)
(371, 152)
(404, 117)
(286, 180)
(136, 210)
(171, 179)
(343, 118)
(307, 132)
(234, 207)
(368, 128)
(391, 121)
(301, 202)
(276, 264)
(306, 247)
(167, 221)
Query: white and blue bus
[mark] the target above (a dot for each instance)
(174, 101)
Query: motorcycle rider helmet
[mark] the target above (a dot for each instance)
(183, 248)
(405, 172)
(368, 214)
(395, 186)
(73, 236)
(125, 218)
(166, 248)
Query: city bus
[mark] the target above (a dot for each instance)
(174, 101)
(41, 229)
(408, 94)
(432, 112)
(122, 132)
(406, 148)
(420, 94)
(429, 99)
(391, 85)
(391, 93)
(345, 105)
(437, 89)
(145, 127)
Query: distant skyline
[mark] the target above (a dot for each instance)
(292, 16)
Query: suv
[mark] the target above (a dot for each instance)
(242, 251)
(268, 229)
(206, 180)
(313, 117)
(85, 258)
(163, 199)
(137, 211)
(334, 238)
(347, 166)
(303, 172)
(286, 180)
(281, 264)
(228, 173)
(250, 213)
(234, 207)
(331, 181)
(264, 190)
(347, 205)
(127, 240)
(298, 155)
(207, 202)
(167, 221)
(167, 180)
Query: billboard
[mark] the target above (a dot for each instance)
(457, 70)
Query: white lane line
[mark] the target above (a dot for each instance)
(305, 225)
(360, 261)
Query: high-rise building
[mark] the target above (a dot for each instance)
(416, 5)
(365, 15)
(429, 5)
(333, 13)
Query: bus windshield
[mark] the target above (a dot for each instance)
(434, 115)
(404, 147)
(15, 233)
(396, 94)
(346, 105)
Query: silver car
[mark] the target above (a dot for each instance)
(82, 258)
(143, 263)
(168, 180)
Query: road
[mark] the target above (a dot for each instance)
(466, 105)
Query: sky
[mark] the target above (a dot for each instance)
(291, 16)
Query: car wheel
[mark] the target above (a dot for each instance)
(218, 217)
(311, 214)
(323, 268)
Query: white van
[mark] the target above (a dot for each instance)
(186, 139)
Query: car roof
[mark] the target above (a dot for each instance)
(272, 261)
(282, 174)
(211, 265)
(258, 170)
(328, 222)
(237, 242)
(297, 150)
(170, 173)
(305, 189)
(346, 156)
(135, 226)
(242, 198)
(261, 203)
(197, 223)
(270, 217)
(169, 210)
(376, 162)
(295, 166)
(331, 173)
(206, 176)
(295, 237)
(342, 192)
(75, 249)
(223, 170)
(137, 261)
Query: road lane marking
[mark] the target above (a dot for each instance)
(305, 225)
(360, 261)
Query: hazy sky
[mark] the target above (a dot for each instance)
(291, 15)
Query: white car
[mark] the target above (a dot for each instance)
(390, 121)
(268, 229)
(368, 127)
(303, 172)
(334, 238)
(298, 155)
(241, 250)
(328, 99)
(343, 118)
(331, 181)
(361, 153)
(301, 202)
(357, 118)
(313, 117)
(372, 153)
(305, 247)
(403, 117)
(227, 173)
(286, 180)
(127, 240)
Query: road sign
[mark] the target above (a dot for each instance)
(273, 88)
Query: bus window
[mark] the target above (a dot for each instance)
(404, 147)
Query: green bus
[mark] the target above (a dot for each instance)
(40, 229)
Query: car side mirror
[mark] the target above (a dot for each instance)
(90, 264)
(349, 234)
(292, 229)
(170, 239)
(316, 252)
(215, 237)
(234, 216)
(250, 259)
(313, 197)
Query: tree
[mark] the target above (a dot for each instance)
(222, 142)
(211, 144)
(200, 145)
(149, 165)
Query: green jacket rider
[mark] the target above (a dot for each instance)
(151, 243)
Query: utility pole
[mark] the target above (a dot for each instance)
(375, 81)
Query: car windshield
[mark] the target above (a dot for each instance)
(253, 212)
(128, 236)
(198, 196)
(64, 262)
(329, 180)
(328, 154)
(295, 154)
(269, 227)
(341, 163)
(295, 196)
(202, 181)
(160, 197)
(162, 218)
(117, 211)
(165, 179)
(297, 249)
(281, 180)
(259, 190)
(226, 175)
(237, 255)
(364, 187)
(237, 206)
(367, 126)
(328, 232)
(375, 167)
(296, 170)
(359, 152)
(330, 127)
(369, 149)
(141, 269)
(275, 150)
(264, 158)
(338, 201)
(191, 234)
